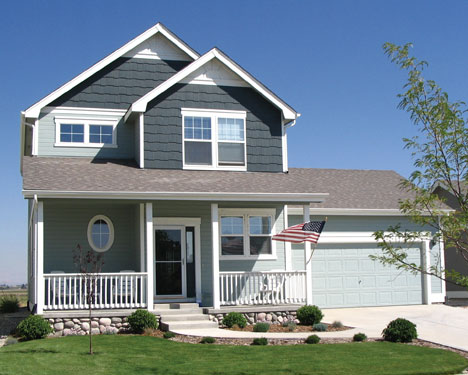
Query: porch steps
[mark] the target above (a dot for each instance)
(183, 316)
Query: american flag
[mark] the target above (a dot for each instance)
(309, 232)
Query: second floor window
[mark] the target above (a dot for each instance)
(85, 133)
(214, 139)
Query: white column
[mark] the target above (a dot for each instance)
(141, 140)
(40, 258)
(442, 265)
(141, 221)
(215, 253)
(426, 249)
(308, 260)
(287, 245)
(150, 255)
(197, 244)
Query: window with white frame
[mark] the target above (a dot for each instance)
(246, 234)
(214, 139)
(74, 132)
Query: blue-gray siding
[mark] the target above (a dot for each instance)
(163, 124)
(120, 83)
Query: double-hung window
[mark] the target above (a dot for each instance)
(246, 233)
(214, 139)
(74, 132)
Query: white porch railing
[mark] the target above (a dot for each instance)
(262, 288)
(68, 291)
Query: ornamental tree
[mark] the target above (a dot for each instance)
(440, 154)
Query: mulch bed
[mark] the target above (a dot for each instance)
(299, 328)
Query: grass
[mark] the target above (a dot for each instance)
(21, 294)
(128, 354)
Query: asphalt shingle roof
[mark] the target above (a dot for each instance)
(358, 189)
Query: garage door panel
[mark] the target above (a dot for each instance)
(345, 276)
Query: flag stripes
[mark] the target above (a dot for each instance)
(299, 233)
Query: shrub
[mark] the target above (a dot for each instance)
(9, 304)
(312, 339)
(235, 318)
(337, 324)
(292, 326)
(142, 319)
(320, 327)
(169, 335)
(400, 330)
(33, 327)
(309, 315)
(260, 341)
(207, 340)
(261, 327)
(359, 337)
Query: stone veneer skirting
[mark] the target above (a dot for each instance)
(257, 314)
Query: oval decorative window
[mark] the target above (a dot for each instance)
(100, 233)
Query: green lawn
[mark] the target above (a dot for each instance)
(149, 355)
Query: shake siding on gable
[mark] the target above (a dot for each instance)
(163, 124)
(120, 83)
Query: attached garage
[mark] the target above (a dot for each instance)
(344, 276)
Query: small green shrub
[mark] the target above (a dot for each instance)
(207, 340)
(312, 339)
(235, 318)
(260, 341)
(169, 335)
(358, 337)
(9, 304)
(292, 326)
(142, 319)
(320, 327)
(400, 330)
(309, 315)
(33, 327)
(337, 324)
(261, 327)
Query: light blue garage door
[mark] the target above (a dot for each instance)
(345, 276)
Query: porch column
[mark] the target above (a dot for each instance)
(308, 260)
(426, 250)
(215, 253)
(40, 257)
(149, 256)
(142, 221)
(287, 245)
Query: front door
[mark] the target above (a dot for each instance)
(170, 262)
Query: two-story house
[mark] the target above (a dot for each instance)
(174, 166)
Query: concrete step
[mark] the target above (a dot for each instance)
(168, 312)
(187, 325)
(184, 318)
(176, 305)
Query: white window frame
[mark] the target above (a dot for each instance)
(246, 213)
(90, 233)
(86, 122)
(214, 114)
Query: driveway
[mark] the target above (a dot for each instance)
(441, 324)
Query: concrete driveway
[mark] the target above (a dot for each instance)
(441, 324)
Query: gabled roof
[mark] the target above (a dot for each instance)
(34, 110)
(141, 104)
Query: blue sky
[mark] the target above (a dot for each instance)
(322, 57)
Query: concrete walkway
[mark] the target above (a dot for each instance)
(441, 324)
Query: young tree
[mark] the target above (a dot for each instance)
(440, 154)
(90, 265)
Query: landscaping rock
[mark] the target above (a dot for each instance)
(58, 326)
(269, 317)
(94, 324)
(280, 319)
(105, 322)
(68, 332)
(102, 329)
(261, 317)
(95, 331)
(116, 320)
(76, 321)
(69, 324)
(85, 326)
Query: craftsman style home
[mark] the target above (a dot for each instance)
(174, 166)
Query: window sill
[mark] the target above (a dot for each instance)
(211, 168)
(250, 257)
(85, 145)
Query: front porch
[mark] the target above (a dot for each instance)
(138, 275)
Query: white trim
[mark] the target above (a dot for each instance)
(351, 211)
(287, 245)
(110, 242)
(442, 265)
(189, 196)
(34, 110)
(40, 259)
(141, 140)
(359, 237)
(246, 213)
(150, 255)
(215, 254)
(308, 260)
(214, 115)
(86, 122)
(284, 148)
(84, 111)
(426, 260)
(141, 104)
(187, 221)
(457, 294)
(141, 216)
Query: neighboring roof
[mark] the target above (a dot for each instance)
(140, 105)
(356, 189)
(34, 110)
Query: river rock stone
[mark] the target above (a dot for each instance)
(102, 329)
(105, 322)
(280, 319)
(85, 319)
(116, 320)
(269, 317)
(58, 326)
(261, 317)
(95, 331)
(85, 326)
(94, 324)
(69, 324)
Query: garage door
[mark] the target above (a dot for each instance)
(345, 276)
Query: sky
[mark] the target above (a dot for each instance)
(324, 58)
